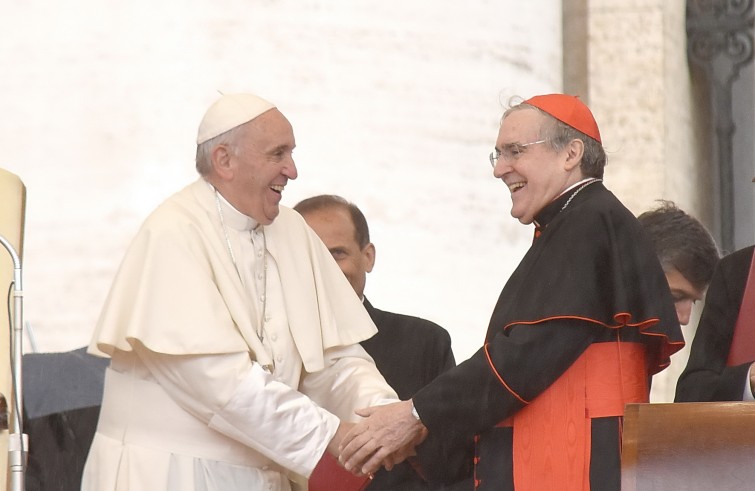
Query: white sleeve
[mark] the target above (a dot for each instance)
(236, 397)
(747, 394)
(349, 381)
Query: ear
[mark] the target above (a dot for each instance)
(575, 149)
(221, 162)
(369, 256)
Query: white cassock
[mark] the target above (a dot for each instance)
(234, 353)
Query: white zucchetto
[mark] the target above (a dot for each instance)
(230, 111)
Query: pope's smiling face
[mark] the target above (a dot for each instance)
(534, 172)
(258, 165)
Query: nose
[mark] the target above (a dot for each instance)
(683, 311)
(501, 168)
(289, 169)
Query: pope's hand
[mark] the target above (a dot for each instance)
(334, 446)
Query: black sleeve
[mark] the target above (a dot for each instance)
(528, 359)
(471, 398)
(706, 376)
(445, 353)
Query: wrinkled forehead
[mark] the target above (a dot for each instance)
(520, 125)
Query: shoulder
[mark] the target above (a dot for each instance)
(598, 220)
(733, 270)
(290, 221)
(594, 208)
(739, 258)
(177, 215)
(289, 233)
(406, 323)
(290, 216)
(604, 205)
(622, 228)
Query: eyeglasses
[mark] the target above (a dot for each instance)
(510, 151)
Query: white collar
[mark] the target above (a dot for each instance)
(233, 217)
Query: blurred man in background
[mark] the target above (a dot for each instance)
(687, 252)
(409, 351)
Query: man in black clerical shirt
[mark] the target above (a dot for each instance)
(579, 327)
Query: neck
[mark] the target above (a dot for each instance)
(573, 183)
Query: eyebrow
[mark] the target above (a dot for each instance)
(510, 144)
(682, 294)
(280, 148)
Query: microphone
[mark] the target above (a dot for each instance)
(18, 442)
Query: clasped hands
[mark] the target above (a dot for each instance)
(386, 437)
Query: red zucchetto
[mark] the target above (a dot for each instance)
(569, 110)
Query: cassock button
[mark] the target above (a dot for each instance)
(274, 337)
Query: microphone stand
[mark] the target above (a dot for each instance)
(17, 440)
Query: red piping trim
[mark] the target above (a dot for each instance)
(500, 379)
(642, 325)
(621, 318)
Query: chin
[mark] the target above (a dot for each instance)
(522, 220)
(271, 216)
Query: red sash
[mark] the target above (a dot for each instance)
(743, 341)
(552, 434)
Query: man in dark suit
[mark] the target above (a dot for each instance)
(409, 351)
(710, 375)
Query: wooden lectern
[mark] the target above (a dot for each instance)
(706, 446)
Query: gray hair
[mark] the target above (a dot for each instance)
(204, 150)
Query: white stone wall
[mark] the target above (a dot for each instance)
(640, 91)
(394, 105)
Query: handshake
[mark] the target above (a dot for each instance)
(387, 436)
